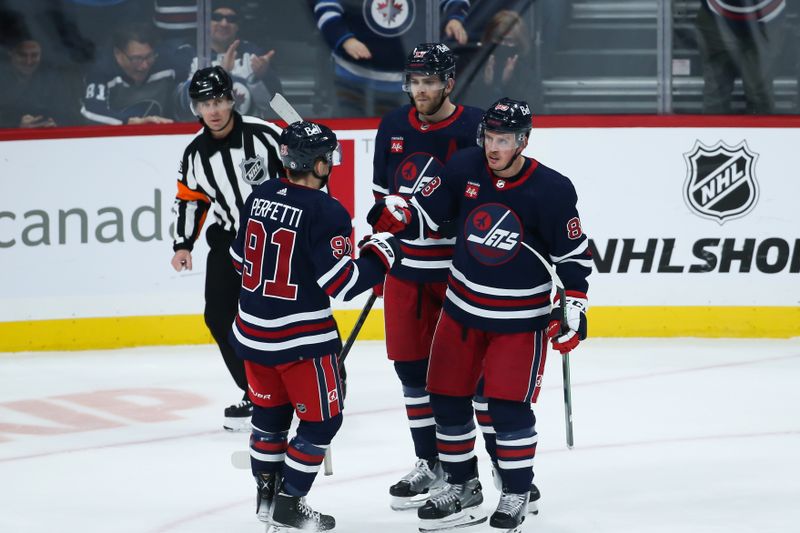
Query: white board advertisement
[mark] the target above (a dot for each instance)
(677, 217)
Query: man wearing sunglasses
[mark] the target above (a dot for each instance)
(254, 77)
(133, 84)
(222, 164)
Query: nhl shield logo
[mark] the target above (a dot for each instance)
(253, 171)
(720, 180)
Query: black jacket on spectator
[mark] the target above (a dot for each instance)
(111, 98)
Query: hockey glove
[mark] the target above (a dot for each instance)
(566, 340)
(390, 213)
(384, 246)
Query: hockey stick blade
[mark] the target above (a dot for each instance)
(284, 109)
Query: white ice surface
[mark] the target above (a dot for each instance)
(680, 435)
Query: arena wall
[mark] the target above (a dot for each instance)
(694, 225)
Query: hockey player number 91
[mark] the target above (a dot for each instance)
(255, 242)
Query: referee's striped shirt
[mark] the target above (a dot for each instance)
(218, 175)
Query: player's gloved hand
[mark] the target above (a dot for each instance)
(384, 245)
(576, 306)
(390, 213)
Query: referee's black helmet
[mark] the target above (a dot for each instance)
(209, 83)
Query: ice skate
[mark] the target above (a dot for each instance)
(455, 506)
(265, 494)
(533, 500)
(237, 416)
(510, 513)
(292, 513)
(414, 489)
(534, 495)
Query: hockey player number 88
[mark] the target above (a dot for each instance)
(254, 256)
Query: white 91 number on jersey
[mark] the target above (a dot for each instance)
(255, 253)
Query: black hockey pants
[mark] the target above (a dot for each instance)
(222, 298)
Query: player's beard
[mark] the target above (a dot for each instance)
(323, 179)
(435, 106)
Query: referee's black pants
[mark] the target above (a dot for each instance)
(222, 298)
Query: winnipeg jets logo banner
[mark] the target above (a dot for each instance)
(415, 172)
(389, 18)
(720, 181)
(493, 233)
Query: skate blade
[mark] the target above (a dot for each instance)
(533, 508)
(406, 504)
(517, 529)
(277, 528)
(236, 424)
(264, 516)
(466, 518)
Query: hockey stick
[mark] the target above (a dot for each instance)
(328, 461)
(357, 327)
(284, 109)
(562, 302)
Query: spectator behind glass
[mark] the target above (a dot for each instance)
(739, 38)
(175, 15)
(26, 90)
(505, 63)
(250, 66)
(369, 41)
(133, 84)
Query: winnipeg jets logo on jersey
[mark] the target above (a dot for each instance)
(415, 172)
(720, 180)
(389, 18)
(253, 170)
(493, 233)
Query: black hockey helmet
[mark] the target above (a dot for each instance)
(209, 83)
(507, 116)
(302, 143)
(429, 59)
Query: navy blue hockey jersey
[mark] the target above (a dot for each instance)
(496, 284)
(293, 251)
(408, 154)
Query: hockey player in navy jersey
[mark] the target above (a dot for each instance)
(293, 251)
(413, 143)
(497, 312)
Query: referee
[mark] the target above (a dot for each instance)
(231, 155)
